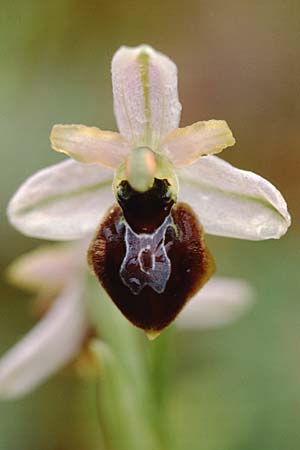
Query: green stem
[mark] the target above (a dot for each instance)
(135, 377)
(161, 372)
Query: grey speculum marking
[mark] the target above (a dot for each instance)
(146, 262)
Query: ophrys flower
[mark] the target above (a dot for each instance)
(149, 252)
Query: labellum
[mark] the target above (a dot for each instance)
(149, 255)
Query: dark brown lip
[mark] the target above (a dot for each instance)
(191, 265)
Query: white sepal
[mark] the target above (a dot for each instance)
(232, 202)
(65, 201)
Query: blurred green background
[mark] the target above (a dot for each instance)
(236, 388)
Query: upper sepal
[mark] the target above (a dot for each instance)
(145, 94)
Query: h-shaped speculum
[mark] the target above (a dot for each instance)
(146, 262)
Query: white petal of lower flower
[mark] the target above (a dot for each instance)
(232, 202)
(145, 94)
(220, 302)
(90, 145)
(62, 202)
(184, 146)
(48, 266)
(49, 346)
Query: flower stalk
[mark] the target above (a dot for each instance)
(133, 378)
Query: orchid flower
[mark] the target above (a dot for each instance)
(149, 252)
(57, 272)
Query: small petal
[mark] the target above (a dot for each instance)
(48, 347)
(145, 95)
(62, 202)
(232, 202)
(220, 302)
(90, 145)
(47, 267)
(184, 146)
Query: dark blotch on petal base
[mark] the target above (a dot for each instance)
(191, 265)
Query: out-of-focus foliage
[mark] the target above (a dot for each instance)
(236, 388)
